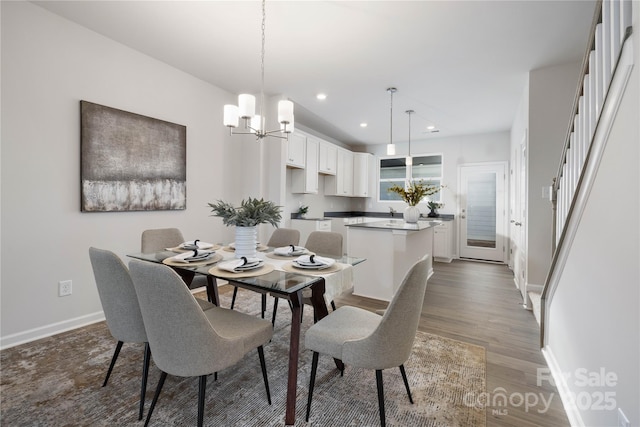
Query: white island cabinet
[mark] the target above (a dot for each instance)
(391, 247)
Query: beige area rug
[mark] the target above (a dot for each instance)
(57, 381)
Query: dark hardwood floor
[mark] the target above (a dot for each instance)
(478, 303)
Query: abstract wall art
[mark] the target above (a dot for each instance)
(131, 162)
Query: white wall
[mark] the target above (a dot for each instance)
(48, 66)
(594, 320)
(551, 94)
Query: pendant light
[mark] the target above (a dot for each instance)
(409, 160)
(391, 147)
(246, 108)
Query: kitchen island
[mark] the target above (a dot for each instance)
(391, 247)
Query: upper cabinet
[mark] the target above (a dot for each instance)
(328, 161)
(342, 183)
(362, 174)
(345, 173)
(296, 150)
(306, 180)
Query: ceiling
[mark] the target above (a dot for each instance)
(461, 65)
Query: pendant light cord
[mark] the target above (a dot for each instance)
(391, 90)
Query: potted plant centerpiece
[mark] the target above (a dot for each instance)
(412, 194)
(246, 218)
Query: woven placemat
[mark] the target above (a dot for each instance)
(291, 269)
(218, 272)
(174, 263)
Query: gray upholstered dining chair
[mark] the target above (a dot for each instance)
(186, 341)
(284, 237)
(279, 238)
(157, 239)
(325, 243)
(121, 310)
(367, 340)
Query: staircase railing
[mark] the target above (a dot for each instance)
(606, 67)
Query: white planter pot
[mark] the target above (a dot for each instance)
(246, 241)
(411, 214)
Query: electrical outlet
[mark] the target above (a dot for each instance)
(64, 288)
(623, 421)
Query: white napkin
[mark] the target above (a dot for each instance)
(289, 250)
(183, 257)
(191, 243)
(233, 264)
(317, 260)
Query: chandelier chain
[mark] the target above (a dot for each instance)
(264, 19)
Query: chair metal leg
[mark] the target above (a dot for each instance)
(275, 309)
(263, 365)
(312, 381)
(163, 377)
(406, 383)
(201, 392)
(333, 305)
(233, 299)
(264, 304)
(145, 375)
(113, 362)
(380, 396)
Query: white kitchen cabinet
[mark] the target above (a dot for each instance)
(362, 179)
(306, 180)
(342, 183)
(296, 150)
(328, 161)
(442, 242)
(306, 226)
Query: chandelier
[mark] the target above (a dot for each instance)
(254, 124)
(391, 147)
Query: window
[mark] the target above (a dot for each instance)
(395, 171)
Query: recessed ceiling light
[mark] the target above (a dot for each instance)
(363, 125)
(432, 127)
(321, 96)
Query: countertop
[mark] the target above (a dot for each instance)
(383, 215)
(396, 224)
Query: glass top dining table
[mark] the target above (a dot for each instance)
(283, 284)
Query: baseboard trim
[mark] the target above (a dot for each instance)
(570, 408)
(49, 330)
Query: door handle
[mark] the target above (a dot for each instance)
(463, 216)
(518, 224)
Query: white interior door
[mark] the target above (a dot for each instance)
(483, 211)
(518, 218)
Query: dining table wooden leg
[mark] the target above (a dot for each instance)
(294, 350)
(212, 290)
